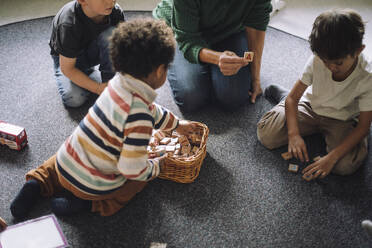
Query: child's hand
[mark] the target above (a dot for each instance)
(185, 127)
(320, 168)
(297, 147)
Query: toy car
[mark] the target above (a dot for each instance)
(13, 136)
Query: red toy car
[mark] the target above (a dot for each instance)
(13, 136)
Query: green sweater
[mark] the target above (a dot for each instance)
(199, 24)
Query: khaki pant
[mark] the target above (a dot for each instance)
(52, 182)
(272, 133)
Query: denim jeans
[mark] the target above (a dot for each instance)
(195, 85)
(97, 53)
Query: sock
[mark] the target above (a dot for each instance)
(70, 206)
(25, 199)
(367, 225)
(275, 93)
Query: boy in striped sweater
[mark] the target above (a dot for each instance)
(104, 163)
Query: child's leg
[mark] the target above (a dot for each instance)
(272, 129)
(118, 199)
(98, 53)
(72, 95)
(41, 181)
(335, 131)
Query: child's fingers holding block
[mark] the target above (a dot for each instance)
(293, 168)
(249, 56)
(287, 155)
(3, 224)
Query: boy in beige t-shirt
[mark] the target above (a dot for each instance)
(333, 97)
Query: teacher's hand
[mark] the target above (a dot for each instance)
(229, 63)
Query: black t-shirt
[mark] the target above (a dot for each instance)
(73, 31)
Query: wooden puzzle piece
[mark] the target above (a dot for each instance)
(287, 155)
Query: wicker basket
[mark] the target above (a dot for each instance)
(186, 169)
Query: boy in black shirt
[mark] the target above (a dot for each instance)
(78, 43)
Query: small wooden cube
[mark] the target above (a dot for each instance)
(158, 245)
(249, 56)
(186, 149)
(170, 148)
(195, 149)
(165, 141)
(287, 155)
(316, 158)
(293, 168)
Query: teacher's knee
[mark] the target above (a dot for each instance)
(191, 100)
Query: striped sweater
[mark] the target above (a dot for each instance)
(110, 144)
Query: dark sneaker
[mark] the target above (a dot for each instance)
(26, 199)
(70, 206)
(275, 93)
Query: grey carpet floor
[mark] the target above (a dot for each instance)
(244, 195)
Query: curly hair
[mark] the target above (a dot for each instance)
(139, 46)
(336, 34)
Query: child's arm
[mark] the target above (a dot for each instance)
(296, 144)
(133, 162)
(164, 119)
(78, 77)
(323, 167)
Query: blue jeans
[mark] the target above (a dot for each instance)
(196, 85)
(97, 53)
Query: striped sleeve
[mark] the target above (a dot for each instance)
(133, 162)
(164, 119)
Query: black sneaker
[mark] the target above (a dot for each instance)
(26, 199)
(275, 93)
(69, 206)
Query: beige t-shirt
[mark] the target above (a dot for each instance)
(339, 100)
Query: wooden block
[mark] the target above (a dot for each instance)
(287, 155)
(165, 141)
(293, 168)
(170, 148)
(158, 245)
(185, 149)
(316, 158)
(195, 149)
(249, 56)
(183, 139)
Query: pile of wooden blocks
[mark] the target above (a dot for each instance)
(294, 167)
(173, 144)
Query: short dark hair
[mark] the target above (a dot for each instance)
(337, 34)
(139, 46)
